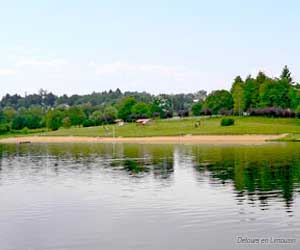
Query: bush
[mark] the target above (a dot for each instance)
(273, 112)
(196, 109)
(206, 112)
(66, 122)
(4, 128)
(297, 112)
(54, 119)
(88, 123)
(183, 113)
(227, 122)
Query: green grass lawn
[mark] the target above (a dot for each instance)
(209, 126)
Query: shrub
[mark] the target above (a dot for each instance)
(18, 122)
(4, 128)
(227, 122)
(54, 119)
(196, 109)
(66, 122)
(88, 123)
(183, 113)
(272, 112)
(206, 112)
(297, 112)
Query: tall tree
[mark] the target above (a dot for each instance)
(251, 92)
(237, 91)
(219, 100)
(275, 93)
(286, 74)
(125, 108)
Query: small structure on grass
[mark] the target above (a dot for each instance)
(119, 122)
(143, 121)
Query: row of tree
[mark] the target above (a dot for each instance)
(260, 95)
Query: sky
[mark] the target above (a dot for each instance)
(158, 46)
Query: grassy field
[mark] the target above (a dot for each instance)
(24, 132)
(209, 126)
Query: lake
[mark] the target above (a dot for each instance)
(123, 196)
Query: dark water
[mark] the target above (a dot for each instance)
(88, 196)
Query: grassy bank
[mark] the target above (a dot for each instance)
(289, 138)
(208, 126)
(24, 132)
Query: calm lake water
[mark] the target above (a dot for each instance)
(115, 196)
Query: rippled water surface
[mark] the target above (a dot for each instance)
(97, 196)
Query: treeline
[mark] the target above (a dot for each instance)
(48, 110)
(260, 95)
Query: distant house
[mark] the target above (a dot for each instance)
(143, 121)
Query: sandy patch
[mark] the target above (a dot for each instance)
(194, 139)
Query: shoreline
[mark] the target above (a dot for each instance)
(189, 139)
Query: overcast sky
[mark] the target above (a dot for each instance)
(156, 46)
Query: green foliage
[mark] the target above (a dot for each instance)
(54, 119)
(9, 113)
(88, 123)
(162, 106)
(125, 108)
(286, 74)
(27, 118)
(297, 110)
(76, 115)
(219, 100)
(237, 91)
(66, 122)
(251, 92)
(227, 121)
(96, 117)
(254, 94)
(110, 114)
(275, 93)
(18, 122)
(2, 117)
(4, 128)
(141, 109)
(196, 109)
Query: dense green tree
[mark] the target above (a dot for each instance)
(125, 108)
(286, 74)
(141, 109)
(237, 92)
(9, 113)
(96, 117)
(219, 100)
(66, 122)
(275, 93)
(109, 115)
(54, 119)
(162, 105)
(76, 115)
(19, 122)
(2, 117)
(251, 93)
(196, 108)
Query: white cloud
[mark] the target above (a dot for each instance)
(6, 72)
(56, 62)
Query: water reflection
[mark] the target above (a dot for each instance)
(259, 174)
(157, 191)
